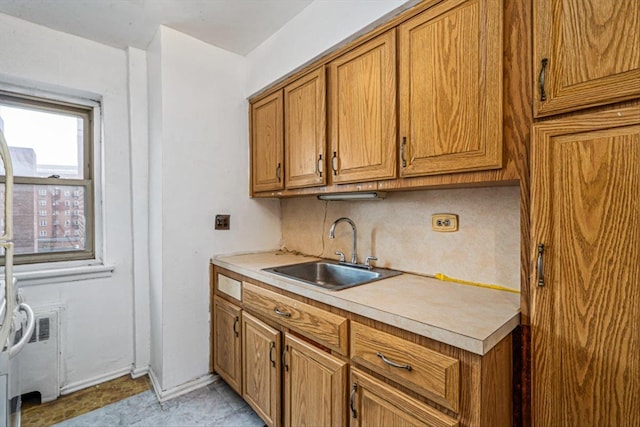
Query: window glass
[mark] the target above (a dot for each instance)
(43, 144)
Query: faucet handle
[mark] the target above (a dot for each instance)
(367, 261)
(341, 254)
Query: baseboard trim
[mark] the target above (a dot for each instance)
(139, 372)
(164, 395)
(79, 385)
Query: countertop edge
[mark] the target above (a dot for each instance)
(473, 345)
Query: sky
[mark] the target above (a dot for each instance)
(54, 137)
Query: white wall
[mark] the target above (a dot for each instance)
(97, 338)
(321, 25)
(201, 147)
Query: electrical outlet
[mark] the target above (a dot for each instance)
(444, 222)
(222, 222)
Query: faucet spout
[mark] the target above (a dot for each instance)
(332, 235)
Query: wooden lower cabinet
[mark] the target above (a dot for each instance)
(314, 385)
(297, 371)
(261, 366)
(227, 343)
(374, 403)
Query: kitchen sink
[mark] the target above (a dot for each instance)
(332, 275)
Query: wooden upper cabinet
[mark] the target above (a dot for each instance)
(267, 143)
(450, 88)
(591, 49)
(304, 131)
(362, 112)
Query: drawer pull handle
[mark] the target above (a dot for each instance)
(540, 265)
(394, 364)
(542, 78)
(354, 414)
(271, 348)
(402, 154)
(235, 326)
(281, 313)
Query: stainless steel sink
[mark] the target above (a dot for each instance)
(332, 275)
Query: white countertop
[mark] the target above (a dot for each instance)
(468, 317)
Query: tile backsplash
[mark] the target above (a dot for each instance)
(397, 230)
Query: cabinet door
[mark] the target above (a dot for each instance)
(304, 132)
(374, 403)
(227, 344)
(314, 386)
(585, 307)
(362, 112)
(450, 80)
(591, 51)
(267, 143)
(261, 363)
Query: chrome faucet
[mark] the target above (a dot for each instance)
(332, 235)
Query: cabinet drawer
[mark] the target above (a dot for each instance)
(230, 287)
(424, 371)
(316, 324)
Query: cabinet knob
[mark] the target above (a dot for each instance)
(320, 165)
(278, 171)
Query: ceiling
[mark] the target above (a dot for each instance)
(235, 25)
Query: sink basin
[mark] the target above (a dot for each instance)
(332, 275)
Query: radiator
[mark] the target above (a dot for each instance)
(40, 359)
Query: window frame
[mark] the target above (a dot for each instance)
(90, 113)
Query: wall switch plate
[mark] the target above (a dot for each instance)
(444, 222)
(222, 222)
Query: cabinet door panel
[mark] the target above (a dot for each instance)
(585, 319)
(227, 343)
(592, 51)
(304, 103)
(314, 386)
(267, 143)
(374, 403)
(362, 88)
(261, 377)
(450, 80)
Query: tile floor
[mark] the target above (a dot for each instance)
(214, 405)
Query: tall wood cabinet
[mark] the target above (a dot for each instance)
(450, 88)
(585, 307)
(362, 111)
(586, 53)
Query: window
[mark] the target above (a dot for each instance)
(51, 146)
(67, 222)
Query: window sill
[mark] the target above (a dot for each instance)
(63, 274)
